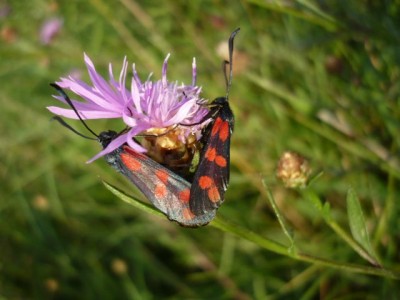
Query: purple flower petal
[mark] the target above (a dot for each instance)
(148, 104)
(194, 72)
(117, 142)
(89, 114)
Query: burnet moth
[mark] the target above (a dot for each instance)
(189, 204)
(212, 175)
(167, 191)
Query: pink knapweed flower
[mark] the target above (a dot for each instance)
(49, 30)
(144, 108)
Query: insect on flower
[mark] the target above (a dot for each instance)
(166, 190)
(212, 175)
(148, 109)
(168, 116)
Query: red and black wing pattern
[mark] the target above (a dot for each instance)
(211, 178)
(212, 175)
(190, 205)
(167, 191)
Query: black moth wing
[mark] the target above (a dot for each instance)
(166, 190)
(211, 178)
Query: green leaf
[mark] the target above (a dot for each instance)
(357, 222)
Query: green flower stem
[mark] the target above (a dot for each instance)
(263, 242)
(132, 201)
(278, 214)
(281, 249)
(249, 235)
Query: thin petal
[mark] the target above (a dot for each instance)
(98, 82)
(164, 71)
(90, 114)
(135, 93)
(115, 143)
(194, 72)
(181, 113)
(89, 94)
(132, 143)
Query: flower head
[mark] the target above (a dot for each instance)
(50, 29)
(293, 170)
(150, 107)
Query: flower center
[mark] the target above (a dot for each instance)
(167, 147)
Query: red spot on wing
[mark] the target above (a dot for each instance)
(187, 214)
(216, 126)
(213, 194)
(210, 154)
(160, 191)
(162, 175)
(131, 162)
(184, 195)
(224, 131)
(205, 182)
(220, 161)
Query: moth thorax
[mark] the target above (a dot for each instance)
(167, 147)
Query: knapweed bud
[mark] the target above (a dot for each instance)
(119, 266)
(52, 285)
(41, 203)
(293, 170)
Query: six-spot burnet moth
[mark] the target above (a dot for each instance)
(211, 178)
(189, 204)
(166, 190)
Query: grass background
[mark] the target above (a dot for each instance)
(316, 77)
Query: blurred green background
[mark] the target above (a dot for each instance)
(317, 77)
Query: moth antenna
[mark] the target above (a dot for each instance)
(65, 124)
(68, 100)
(224, 64)
(149, 135)
(229, 80)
